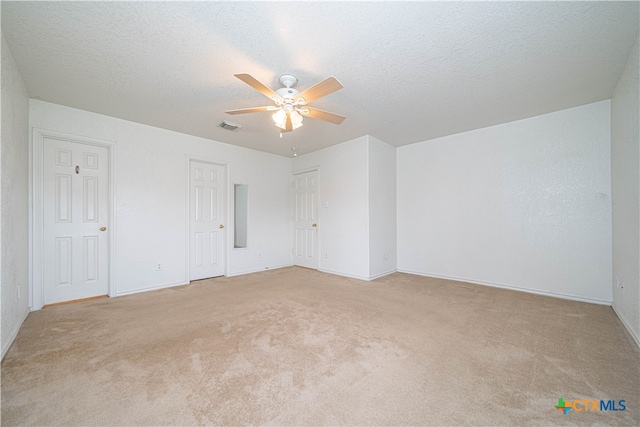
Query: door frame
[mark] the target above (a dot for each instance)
(315, 169)
(36, 210)
(189, 158)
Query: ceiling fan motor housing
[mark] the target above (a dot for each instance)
(287, 92)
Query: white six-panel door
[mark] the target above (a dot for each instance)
(206, 213)
(305, 220)
(75, 220)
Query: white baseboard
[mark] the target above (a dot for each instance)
(627, 326)
(14, 333)
(150, 288)
(171, 285)
(353, 276)
(242, 273)
(338, 273)
(514, 288)
(382, 274)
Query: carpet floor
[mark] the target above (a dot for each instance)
(298, 347)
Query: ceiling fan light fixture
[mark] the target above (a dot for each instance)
(296, 118)
(279, 117)
(294, 126)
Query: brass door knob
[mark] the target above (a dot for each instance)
(221, 226)
(314, 225)
(103, 228)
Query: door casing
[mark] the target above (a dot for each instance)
(225, 197)
(36, 211)
(318, 229)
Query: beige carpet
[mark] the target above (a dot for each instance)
(299, 347)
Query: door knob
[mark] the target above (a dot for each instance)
(221, 226)
(103, 228)
(314, 225)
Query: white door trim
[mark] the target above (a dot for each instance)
(310, 169)
(315, 169)
(226, 216)
(36, 215)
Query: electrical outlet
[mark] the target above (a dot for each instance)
(159, 267)
(19, 291)
(259, 254)
(385, 257)
(326, 255)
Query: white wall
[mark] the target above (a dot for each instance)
(524, 204)
(343, 226)
(14, 203)
(151, 197)
(625, 176)
(357, 212)
(382, 208)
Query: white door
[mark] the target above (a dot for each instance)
(305, 220)
(75, 220)
(206, 212)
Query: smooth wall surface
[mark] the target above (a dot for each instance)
(625, 177)
(14, 204)
(151, 197)
(524, 204)
(343, 213)
(382, 208)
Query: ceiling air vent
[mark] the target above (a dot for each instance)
(230, 126)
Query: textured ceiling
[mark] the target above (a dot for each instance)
(411, 71)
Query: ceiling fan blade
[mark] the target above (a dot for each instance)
(288, 125)
(314, 113)
(248, 79)
(253, 110)
(321, 89)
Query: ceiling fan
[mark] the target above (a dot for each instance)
(291, 105)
